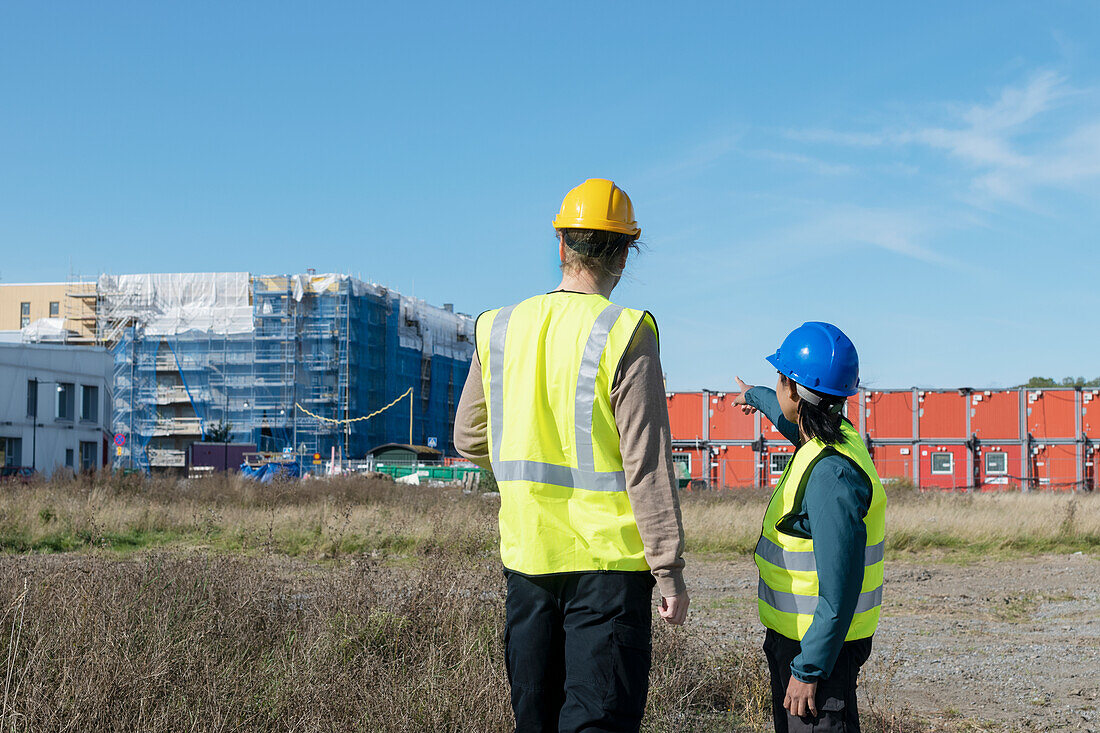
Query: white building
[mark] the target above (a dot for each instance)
(55, 406)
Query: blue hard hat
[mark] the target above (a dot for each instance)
(819, 356)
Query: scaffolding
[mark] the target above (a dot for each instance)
(189, 359)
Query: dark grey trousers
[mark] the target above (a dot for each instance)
(836, 695)
(578, 650)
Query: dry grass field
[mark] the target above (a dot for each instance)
(966, 523)
(348, 604)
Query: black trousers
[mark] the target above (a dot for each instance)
(836, 695)
(578, 650)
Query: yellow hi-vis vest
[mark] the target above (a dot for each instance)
(547, 365)
(788, 573)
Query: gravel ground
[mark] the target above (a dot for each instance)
(1005, 644)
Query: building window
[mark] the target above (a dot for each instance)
(87, 456)
(32, 398)
(12, 451)
(69, 457)
(943, 463)
(996, 463)
(55, 309)
(681, 462)
(89, 402)
(24, 315)
(66, 401)
(779, 462)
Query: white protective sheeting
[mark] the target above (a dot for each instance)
(424, 327)
(309, 283)
(45, 329)
(433, 330)
(172, 303)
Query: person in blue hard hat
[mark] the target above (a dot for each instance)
(820, 552)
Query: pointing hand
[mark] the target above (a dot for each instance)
(740, 399)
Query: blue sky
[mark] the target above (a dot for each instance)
(925, 175)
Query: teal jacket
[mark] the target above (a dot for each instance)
(837, 498)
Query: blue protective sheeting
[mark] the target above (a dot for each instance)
(320, 350)
(268, 472)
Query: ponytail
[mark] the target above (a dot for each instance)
(821, 421)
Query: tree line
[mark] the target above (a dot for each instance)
(1065, 382)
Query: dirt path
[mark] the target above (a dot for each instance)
(996, 645)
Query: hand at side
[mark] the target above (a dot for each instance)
(674, 610)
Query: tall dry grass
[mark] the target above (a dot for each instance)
(350, 516)
(320, 518)
(218, 643)
(224, 622)
(729, 521)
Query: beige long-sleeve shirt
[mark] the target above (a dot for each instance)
(645, 440)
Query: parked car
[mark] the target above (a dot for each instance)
(16, 474)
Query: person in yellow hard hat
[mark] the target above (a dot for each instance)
(565, 403)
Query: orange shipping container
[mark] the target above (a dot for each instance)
(942, 415)
(893, 461)
(685, 415)
(1050, 413)
(736, 466)
(1054, 467)
(1090, 413)
(888, 414)
(995, 415)
(851, 409)
(999, 467)
(727, 421)
(943, 467)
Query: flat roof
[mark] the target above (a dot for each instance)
(20, 344)
(31, 285)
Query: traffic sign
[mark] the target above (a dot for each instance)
(433, 442)
(120, 440)
(118, 450)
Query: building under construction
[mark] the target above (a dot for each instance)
(286, 361)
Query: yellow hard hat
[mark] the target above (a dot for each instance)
(598, 204)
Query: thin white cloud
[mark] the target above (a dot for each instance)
(696, 160)
(1005, 143)
(816, 165)
(893, 230)
(1018, 105)
(835, 137)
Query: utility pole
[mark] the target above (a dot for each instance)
(34, 428)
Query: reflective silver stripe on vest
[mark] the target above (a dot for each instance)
(792, 560)
(548, 473)
(586, 385)
(496, 376)
(794, 603)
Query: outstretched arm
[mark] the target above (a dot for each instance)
(764, 399)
